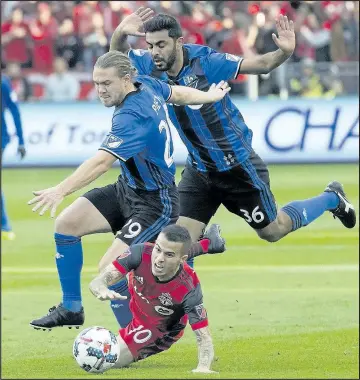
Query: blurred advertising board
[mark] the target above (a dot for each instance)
(289, 131)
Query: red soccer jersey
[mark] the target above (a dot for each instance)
(163, 305)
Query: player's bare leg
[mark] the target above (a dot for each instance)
(216, 243)
(81, 218)
(299, 214)
(116, 249)
(125, 356)
(195, 227)
(120, 308)
(277, 229)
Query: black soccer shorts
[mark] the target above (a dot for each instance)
(135, 216)
(244, 190)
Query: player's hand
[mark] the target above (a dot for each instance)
(218, 91)
(132, 25)
(286, 40)
(203, 370)
(110, 295)
(21, 151)
(47, 199)
(102, 293)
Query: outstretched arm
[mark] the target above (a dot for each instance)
(99, 286)
(182, 95)
(130, 26)
(86, 173)
(205, 350)
(263, 64)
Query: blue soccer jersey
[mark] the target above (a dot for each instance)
(140, 136)
(215, 135)
(9, 101)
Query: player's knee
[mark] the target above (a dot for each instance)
(125, 356)
(272, 232)
(65, 224)
(195, 227)
(269, 236)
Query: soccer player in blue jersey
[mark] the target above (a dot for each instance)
(142, 201)
(9, 102)
(222, 167)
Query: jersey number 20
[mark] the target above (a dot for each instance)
(165, 124)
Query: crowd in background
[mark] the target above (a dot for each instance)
(66, 37)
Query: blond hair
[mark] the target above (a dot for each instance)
(116, 59)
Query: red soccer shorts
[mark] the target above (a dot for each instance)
(146, 340)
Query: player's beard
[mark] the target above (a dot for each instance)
(170, 61)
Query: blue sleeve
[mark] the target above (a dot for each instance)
(140, 60)
(221, 66)
(11, 103)
(127, 137)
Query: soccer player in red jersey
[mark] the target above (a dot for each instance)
(165, 295)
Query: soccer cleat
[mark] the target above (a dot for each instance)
(217, 243)
(58, 316)
(345, 211)
(8, 235)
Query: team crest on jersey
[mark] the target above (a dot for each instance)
(165, 299)
(232, 57)
(191, 80)
(113, 141)
(139, 52)
(200, 310)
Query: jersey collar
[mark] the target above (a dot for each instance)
(170, 279)
(186, 62)
(137, 84)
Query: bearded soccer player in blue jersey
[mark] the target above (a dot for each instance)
(142, 201)
(9, 101)
(222, 167)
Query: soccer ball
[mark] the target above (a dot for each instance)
(96, 349)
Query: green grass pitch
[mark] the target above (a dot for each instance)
(283, 310)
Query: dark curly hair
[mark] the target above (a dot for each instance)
(164, 22)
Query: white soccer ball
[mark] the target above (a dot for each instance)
(96, 349)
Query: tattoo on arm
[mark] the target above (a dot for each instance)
(205, 346)
(111, 275)
(108, 277)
